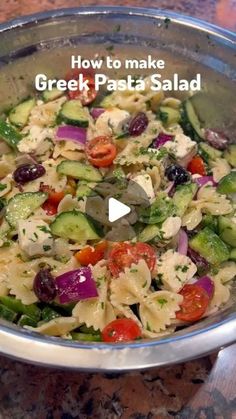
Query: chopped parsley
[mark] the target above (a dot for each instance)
(2, 186)
(162, 301)
(46, 248)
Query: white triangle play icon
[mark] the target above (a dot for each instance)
(116, 210)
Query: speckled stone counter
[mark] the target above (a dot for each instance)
(201, 389)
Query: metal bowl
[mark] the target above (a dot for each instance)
(42, 43)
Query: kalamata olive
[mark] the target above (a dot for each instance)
(44, 286)
(217, 139)
(177, 174)
(27, 172)
(200, 262)
(138, 124)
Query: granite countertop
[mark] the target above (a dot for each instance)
(200, 389)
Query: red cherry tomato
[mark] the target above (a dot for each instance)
(120, 257)
(54, 198)
(101, 151)
(121, 330)
(85, 96)
(196, 166)
(91, 255)
(146, 252)
(195, 303)
(124, 254)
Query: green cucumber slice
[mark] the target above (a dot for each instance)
(209, 153)
(17, 306)
(72, 112)
(227, 185)
(19, 115)
(227, 230)
(22, 205)
(210, 246)
(232, 255)
(86, 337)
(25, 320)
(183, 196)
(7, 314)
(9, 134)
(190, 121)
(79, 170)
(74, 225)
(169, 115)
(49, 95)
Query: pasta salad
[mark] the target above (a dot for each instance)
(66, 273)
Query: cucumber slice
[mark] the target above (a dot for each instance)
(183, 196)
(227, 230)
(7, 314)
(72, 112)
(86, 337)
(190, 121)
(22, 205)
(83, 190)
(19, 115)
(25, 320)
(210, 221)
(74, 225)
(17, 306)
(162, 208)
(149, 233)
(210, 246)
(230, 155)
(49, 95)
(232, 255)
(49, 314)
(209, 153)
(9, 134)
(227, 185)
(169, 115)
(79, 170)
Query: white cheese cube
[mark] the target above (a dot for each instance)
(111, 122)
(174, 270)
(170, 227)
(35, 238)
(145, 182)
(34, 139)
(182, 147)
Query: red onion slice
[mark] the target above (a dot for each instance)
(207, 284)
(76, 285)
(96, 112)
(183, 242)
(70, 132)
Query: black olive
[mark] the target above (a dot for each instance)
(177, 174)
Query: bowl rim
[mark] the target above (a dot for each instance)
(9, 336)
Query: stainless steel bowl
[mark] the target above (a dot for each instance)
(43, 42)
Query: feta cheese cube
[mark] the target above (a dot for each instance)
(174, 270)
(145, 182)
(111, 122)
(34, 139)
(170, 227)
(182, 147)
(35, 238)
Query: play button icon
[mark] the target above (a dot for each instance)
(113, 207)
(116, 210)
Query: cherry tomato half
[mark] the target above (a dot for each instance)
(195, 303)
(196, 166)
(121, 330)
(91, 255)
(101, 151)
(54, 198)
(120, 257)
(124, 254)
(85, 96)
